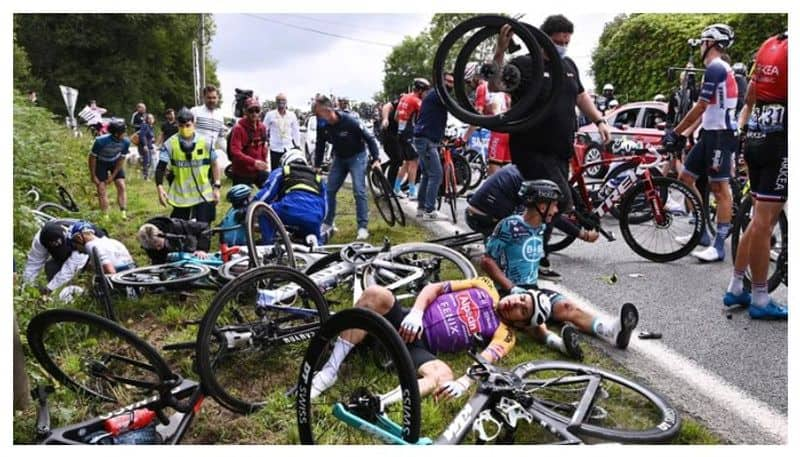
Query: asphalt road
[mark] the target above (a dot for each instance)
(730, 372)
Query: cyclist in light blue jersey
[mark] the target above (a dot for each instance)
(105, 164)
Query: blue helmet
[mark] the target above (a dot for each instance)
(238, 195)
(80, 227)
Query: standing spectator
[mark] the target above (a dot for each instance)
(191, 160)
(138, 116)
(389, 138)
(146, 148)
(740, 74)
(407, 110)
(489, 103)
(105, 164)
(766, 153)
(248, 147)
(544, 150)
(603, 102)
(283, 130)
(428, 134)
(209, 121)
(168, 128)
(348, 138)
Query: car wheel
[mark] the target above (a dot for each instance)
(594, 154)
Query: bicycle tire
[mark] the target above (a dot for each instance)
(664, 427)
(285, 242)
(462, 172)
(231, 269)
(101, 287)
(613, 174)
(382, 196)
(213, 349)
(397, 210)
(450, 189)
(565, 239)
(38, 335)
(625, 225)
(66, 199)
(778, 274)
(188, 272)
(379, 328)
(463, 264)
(477, 165)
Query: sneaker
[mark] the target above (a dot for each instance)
(400, 194)
(433, 216)
(743, 299)
(709, 254)
(321, 383)
(363, 234)
(412, 195)
(572, 341)
(771, 311)
(628, 318)
(420, 213)
(549, 273)
(124, 215)
(705, 240)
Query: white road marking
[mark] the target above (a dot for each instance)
(726, 396)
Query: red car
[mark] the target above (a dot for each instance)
(640, 121)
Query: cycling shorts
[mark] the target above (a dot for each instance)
(711, 156)
(419, 350)
(407, 150)
(104, 169)
(499, 150)
(768, 166)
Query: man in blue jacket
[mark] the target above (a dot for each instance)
(297, 194)
(348, 137)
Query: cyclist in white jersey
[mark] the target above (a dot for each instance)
(711, 156)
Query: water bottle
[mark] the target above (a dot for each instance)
(132, 420)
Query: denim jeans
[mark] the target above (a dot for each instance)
(432, 177)
(357, 167)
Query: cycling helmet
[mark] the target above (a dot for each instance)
(539, 190)
(740, 69)
(185, 115)
(116, 126)
(659, 98)
(293, 155)
(541, 307)
(421, 84)
(471, 70)
(80, 227)
(238, 195)
(722, 34)
(608, 86)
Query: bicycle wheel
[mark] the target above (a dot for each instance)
(66, 199)
(176, 274)
(640, 206)
(463, 173)
(560, 240)
(382, 195)
(477, 165)
(101, 287)
(275, 251)
(53, 209)
(247, 354)
(622, 410)
(233, 268)
(779, 244)
(397, 210)
(655, 237)
(359, 393)
(95, 357)
(450, 190)
(435, 262)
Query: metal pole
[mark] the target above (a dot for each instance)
(203, 49)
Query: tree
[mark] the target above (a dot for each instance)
(117, 59)
(634, 51)
(24, 81)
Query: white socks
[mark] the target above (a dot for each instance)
(736, 286)
(555, 342)
(605, 329)
(327, 375)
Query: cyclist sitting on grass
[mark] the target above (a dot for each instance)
(154, 237)
(239, 198)
(297, 194)
(512, 259)
(444, 318)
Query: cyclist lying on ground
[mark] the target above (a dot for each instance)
(154, 237)
(512, 259)
(297, 194)
(113, 255)
(444, 317)
(52, 250)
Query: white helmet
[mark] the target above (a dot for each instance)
(613, 103)
(541, 307)
(471, 70)
(608, 86)
(293, 155)
(722, 34)
(659, 98)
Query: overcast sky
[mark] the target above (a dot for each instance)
(263, 53)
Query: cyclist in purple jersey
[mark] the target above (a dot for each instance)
(443, 319)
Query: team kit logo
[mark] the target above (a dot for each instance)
(468, 312)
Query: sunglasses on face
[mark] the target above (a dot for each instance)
(254, 110)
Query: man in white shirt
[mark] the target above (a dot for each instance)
(283, 131)
(113, 256)
(209, 121)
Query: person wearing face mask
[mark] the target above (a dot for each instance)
(283, 130)
(544, 150)
(191, 160)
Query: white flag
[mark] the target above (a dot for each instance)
(70, 98)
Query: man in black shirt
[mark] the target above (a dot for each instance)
(544, 150)
(169, 127)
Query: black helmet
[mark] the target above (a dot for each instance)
(116, 126)
(539, 190)
(421, 84)
(185, 115)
